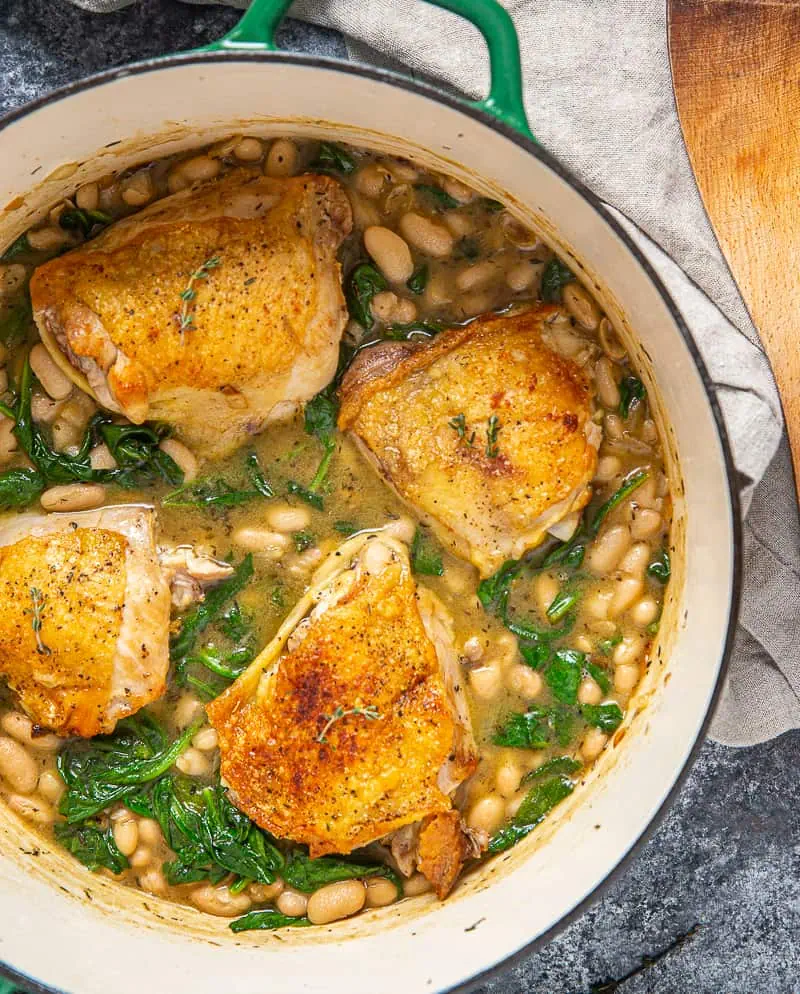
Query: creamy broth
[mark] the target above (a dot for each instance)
(602, 590)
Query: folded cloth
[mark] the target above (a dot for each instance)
(599, 97)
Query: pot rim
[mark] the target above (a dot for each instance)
(532, 147)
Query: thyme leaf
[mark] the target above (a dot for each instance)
(369, 711)
(186, 315)
(37, 601)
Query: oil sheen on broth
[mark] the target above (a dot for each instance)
(551, 646)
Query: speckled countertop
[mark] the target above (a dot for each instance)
(712, 903)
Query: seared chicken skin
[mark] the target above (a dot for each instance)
(352, 723)
(84, 616)
(215, 310)
(486, 432)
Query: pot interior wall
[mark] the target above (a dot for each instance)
(127, 940)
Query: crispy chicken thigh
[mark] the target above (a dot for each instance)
(486, 432)
(216, 310)
(84, 616)
(352, 723)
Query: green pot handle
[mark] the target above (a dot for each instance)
(255, 32)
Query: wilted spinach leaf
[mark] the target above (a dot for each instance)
(555, 276)
(92, 845)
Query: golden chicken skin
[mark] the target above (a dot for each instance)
(216, 310)
(486, 432)
(84, 616)
(353, 723)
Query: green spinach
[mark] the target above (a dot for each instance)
(425, 557)
(92, 844)
(541, 799)
(363, 283)
(555, 276)
(631, 392)
(266, 919)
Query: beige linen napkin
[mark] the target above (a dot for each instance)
(599, 97)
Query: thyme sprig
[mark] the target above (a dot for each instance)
(37, 602)
(492, 431)
(370, 712)
(186, 316)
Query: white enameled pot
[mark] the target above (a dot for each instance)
(64, 929)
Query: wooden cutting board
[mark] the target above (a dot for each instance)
(736, 72)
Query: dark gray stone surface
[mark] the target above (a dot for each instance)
(724, 867)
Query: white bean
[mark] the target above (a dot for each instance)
(87, 197)
(284, 518)
(546, 588)
(371, 179)
(206, 740)
(581, 306)
(458, 224)
(56, 383)
(389, 252)
(645, 522)
(507, 779)
(17, 766)
(521, 276)
(336, 901)
(219, 901)
(33, 808)
(73, 497)
(20, 727)
(524, 681)
(281, 159)
(183, 457)
(272, 545)
(607, 389)
(153, 881)
(457, 190)
(626, 591)
(609, 547)
(51, 786)
(485, 682)
(415, 885)
(193, 763)
(44, 409)
(141, 857)
(597, 603)
(292, 902)
(473, 648)
(628, 650)
(380, 892)
(476, 276)
(248, 150)
(644, 612)
(100, 457)
(589, 692)
(427, 236)
(8, 440)
(47, 239)
(626, 676)
(126, 835)
(138, 189)
(149, 831)
(200, 168)
(593, 744)
(608, 467)
(487, 813)
(266, 892)
(636, 559)
(188, 707)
